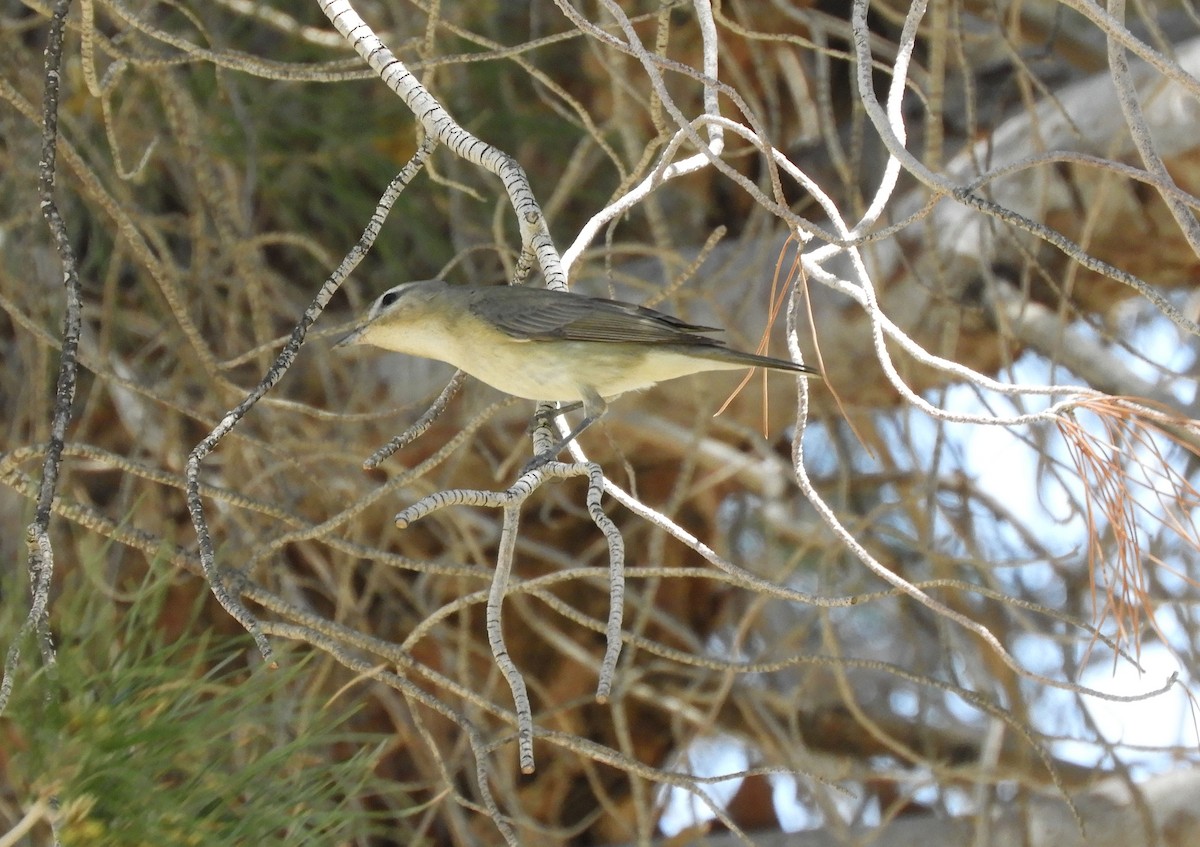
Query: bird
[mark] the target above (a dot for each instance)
(541, 344)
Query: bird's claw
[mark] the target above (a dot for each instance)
(544, 415)
(541, 418)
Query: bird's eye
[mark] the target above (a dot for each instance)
(388, 299)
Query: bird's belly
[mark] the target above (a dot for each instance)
(558, 370)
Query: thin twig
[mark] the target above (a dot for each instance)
(230, 601)
(510, 502)
(41, 553)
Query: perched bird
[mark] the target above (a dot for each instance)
(548, 345)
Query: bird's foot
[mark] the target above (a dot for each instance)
(543, 416)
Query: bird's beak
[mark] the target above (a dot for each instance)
(351, 339)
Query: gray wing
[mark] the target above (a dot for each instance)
(538, 314)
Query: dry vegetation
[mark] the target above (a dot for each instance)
(864, 599)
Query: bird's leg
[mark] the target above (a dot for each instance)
(593, 408)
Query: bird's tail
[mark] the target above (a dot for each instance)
(753, 360)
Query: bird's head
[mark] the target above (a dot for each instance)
(408, 309)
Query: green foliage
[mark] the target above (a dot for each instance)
(143, 738)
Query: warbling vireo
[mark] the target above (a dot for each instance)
(548, 345)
